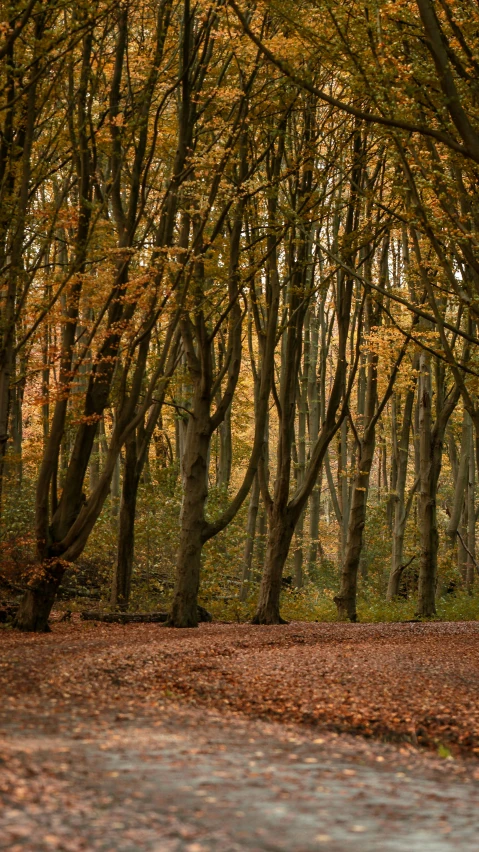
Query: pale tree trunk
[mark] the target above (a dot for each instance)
(122, 572)
(459, 505)
(301, 465)
(471, 519)
(250, 539)
(343, 489)
(17, 421)
(401, 508)
(313, 429)
(462, 555)
(316, 405)
(345, 600)
(461, 478)
(261, 538)
(225, 455)
(281, 526)
(195, 473)
(431, 441)
(95, 464)
(115, 492)
(393, 480)
(426, 605)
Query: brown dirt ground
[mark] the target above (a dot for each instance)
(415, 683)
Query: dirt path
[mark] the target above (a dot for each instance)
(196, 782)
(140, 739)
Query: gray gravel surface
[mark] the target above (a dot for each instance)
(187, 779)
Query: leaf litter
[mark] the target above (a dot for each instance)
(235, 737)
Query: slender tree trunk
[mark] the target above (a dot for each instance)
(393, 480)
(250, 538)
(195, 472)
(345, 600)
(280, 534)
(426, 605)
(225, 459)
(301, 466)
(471, 516)
(400, 509)
(122, 572)
(115, 492)
(460, 481)
(343, 489)
(17, 425)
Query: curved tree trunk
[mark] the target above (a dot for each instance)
(281, 531)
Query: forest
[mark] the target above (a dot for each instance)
(239, 395)
(239, 309)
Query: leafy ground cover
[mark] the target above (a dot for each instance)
(415, 683)
(231, 737)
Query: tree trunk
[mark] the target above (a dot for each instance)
(281, 531)
(343, 489)
(195, 476)
(115, 492)
(345, 600)
(122, 572)
(400, 509)
(250, 537)
(315, 408)
(471, 516)
(225, 458)
(426, 605)
(460, 481)
(37, 602)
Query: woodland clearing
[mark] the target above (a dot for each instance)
(141, 738)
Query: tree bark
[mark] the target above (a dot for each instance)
(39, 598)
(426, 605)
(123, 569)
(400, 508)
(345, 600)
(250, 539)
(471, 519)
(195, 472)
(460, 481)
(280, 534)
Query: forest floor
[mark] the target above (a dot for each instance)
(233, 737)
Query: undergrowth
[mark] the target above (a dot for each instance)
(317, 605)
